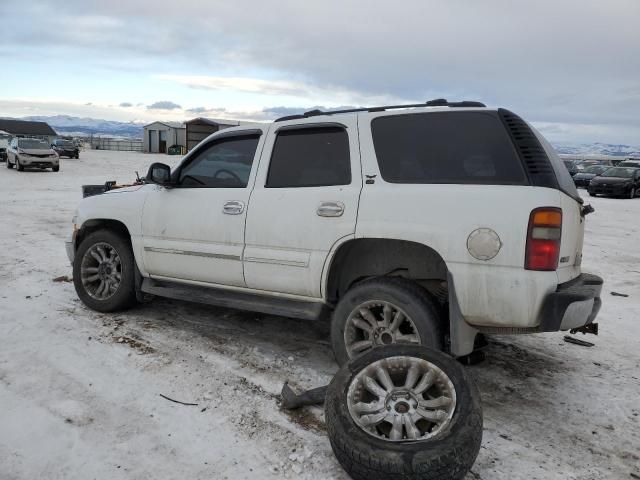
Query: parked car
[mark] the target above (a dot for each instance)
(616, 182)
(572, 166)
(422, 226)
(583, 178)
(4, 144)
(31, 153)
(65, 148)
(630, 163)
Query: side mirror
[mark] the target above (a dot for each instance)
(159, 173)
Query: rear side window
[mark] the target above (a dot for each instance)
(310, 157)
(447, 147)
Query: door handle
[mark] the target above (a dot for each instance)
(330, 209)
(233, 207)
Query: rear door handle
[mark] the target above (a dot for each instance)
(233, 207)
(330, 209)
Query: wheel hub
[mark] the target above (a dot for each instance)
(400, 402)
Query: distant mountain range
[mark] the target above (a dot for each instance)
(599, 149)
(77, 126)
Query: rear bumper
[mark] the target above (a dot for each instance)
(573, 304)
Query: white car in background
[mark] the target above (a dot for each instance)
(31, 153)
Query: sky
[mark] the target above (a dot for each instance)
(570, 67)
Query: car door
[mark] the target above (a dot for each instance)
(305, 200)
(194, 232)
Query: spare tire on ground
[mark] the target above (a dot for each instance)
(404, 412)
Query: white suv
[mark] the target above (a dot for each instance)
(420, 224)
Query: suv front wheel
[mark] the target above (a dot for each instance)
(383, 311)
(104, 272)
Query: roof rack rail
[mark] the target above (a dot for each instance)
(439, 102)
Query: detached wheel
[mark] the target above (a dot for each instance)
(404, 412)
(384, 311)
(104, 272)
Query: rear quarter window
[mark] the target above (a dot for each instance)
(446, 147)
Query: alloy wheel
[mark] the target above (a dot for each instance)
(101, 271)
(376, 323)
(401, 398)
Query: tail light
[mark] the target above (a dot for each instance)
(543, 239)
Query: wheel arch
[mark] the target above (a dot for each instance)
(95, 224)
(360, 258)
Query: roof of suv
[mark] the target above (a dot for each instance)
(440, 102)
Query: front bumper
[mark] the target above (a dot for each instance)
(581, 182)
(67, 153)
(574, 304)
(39, 162)
(612, 190)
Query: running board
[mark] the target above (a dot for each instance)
(284, 307)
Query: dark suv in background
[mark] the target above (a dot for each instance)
(65, 148)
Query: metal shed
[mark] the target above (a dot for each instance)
(25, 128)
(200, 128)
(159, 136)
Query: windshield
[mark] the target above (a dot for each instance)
(33, 143)
(64, 143)
(596, 169)
(619, 172)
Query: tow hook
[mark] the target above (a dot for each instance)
(586, 210)
(590, 328)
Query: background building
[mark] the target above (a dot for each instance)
(200, 128)
(24, 128)
(159, 136)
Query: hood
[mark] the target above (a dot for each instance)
(133, 188)
(37, 151)
(611, 180)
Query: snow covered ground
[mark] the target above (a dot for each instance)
(80, 391)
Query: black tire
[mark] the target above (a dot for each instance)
(411, 297)
(19, 167)
(632, 193)
(446, 456)
(592, 194)
(125, 296)
(56, 169)
(9, 164)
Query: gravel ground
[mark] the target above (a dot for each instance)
(80, 391)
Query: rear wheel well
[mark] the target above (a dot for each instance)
(94, 225)
(363, 258)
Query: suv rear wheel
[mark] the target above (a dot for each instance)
(104, 272)
(384, 311)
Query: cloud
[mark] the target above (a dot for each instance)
(126, 104)
(163, 105)
(278, 88)
(566, 63)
